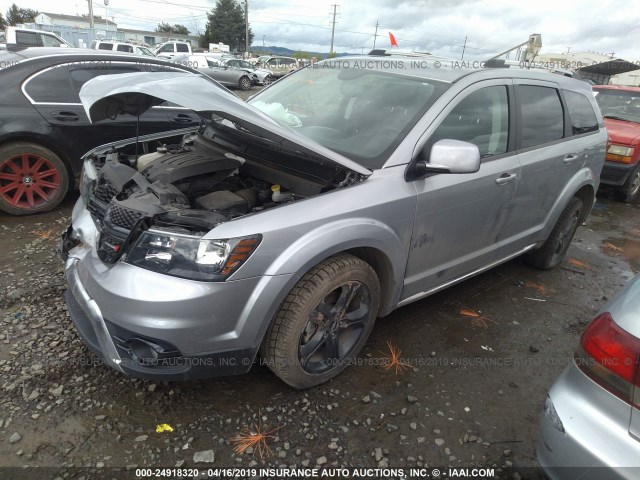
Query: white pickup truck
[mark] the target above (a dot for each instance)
(171, 49)
(27, 37)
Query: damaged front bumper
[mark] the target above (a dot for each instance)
(154, 326)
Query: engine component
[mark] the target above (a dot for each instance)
(277, 196)
(250, 195)
(191, 220)
(144, 160)
(171, 168)
(223, 200)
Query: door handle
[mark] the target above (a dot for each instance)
(572, 157)
(65, 116)
(506, 178)
(182, 118)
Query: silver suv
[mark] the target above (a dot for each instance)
(285, 226)
(278, 66)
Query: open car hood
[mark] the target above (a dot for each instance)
(107, 96)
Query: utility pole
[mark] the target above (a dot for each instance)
(568, 50)
(91, 25)
(333, 26)
(263, 40)
(106, 19)
(246, 26)
(464, 47)
(375, 35)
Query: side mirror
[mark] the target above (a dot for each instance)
(451, 156)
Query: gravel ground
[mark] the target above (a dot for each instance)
(471, 399)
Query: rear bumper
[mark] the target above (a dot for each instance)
(615, 174)
(584, 432)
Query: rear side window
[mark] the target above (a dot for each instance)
(51, 86)
(182, 47)
(105, 46)
(542, 116)
(481, 118)
(583, 118)
(125, 48)
(26, 38)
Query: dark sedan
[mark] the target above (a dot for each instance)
(44, 130)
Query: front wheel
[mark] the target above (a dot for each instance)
(245, 83)
(554, 249)
(268, 80)
(323, 323)
(629, 191)
(32, 179)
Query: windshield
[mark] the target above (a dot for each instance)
(619, 104)
(361, 114)
(145, 51)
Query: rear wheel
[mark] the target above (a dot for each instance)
(32, 179)
(629, 191)
(323, 323)
(556, 246)
(245, 83)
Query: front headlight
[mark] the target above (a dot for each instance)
(191, 257)
(621, 150)
(88, 178)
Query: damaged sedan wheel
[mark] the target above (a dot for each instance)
(323, 323)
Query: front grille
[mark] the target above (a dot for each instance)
(104, 192)
(122, 217)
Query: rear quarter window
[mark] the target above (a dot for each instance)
(583, 118)
(182, 47)
(125, 48)
(105, 46)
(51, 86)
(542, 117)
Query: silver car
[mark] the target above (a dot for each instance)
(262, 76)
(590, 427)
(288, 224)
(222, 73)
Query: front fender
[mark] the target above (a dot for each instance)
(339, 236)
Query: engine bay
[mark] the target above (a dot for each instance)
(190, 187)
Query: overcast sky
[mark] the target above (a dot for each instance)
(436, 26)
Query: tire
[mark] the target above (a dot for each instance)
(305, 347)
(267, 81)
(33, 179)
(629, 191)
(555, 247)
(244, 83)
